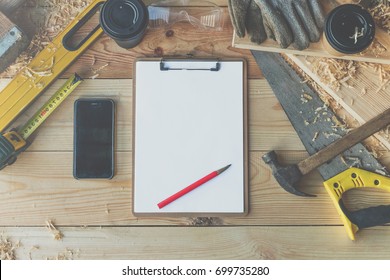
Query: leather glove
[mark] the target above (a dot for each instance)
(292, 21)
(246, 17)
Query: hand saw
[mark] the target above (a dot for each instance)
(318, 127)
(46, 66)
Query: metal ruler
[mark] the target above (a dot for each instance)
(14, 142)
(45, 68)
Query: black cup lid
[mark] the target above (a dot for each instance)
(124, 19)
(349, 28)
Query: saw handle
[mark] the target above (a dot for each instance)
(357, 178)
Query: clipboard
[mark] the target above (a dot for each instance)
(190, 119)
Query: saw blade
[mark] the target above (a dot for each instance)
(315, 123)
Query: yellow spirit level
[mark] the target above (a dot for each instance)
(45, 68)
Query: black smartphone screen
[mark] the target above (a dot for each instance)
(94, 139)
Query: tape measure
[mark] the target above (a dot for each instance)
(45, 111)
(14, 142)
(45, 68)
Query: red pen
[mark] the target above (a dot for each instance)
(191, 187)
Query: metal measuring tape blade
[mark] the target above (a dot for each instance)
(47, 65)
(14, 142)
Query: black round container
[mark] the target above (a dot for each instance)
(125, 21)
(341, 25)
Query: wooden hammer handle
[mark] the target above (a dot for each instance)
(349, 140)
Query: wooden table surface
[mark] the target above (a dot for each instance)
(95, 216)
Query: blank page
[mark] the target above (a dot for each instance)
(187, 124)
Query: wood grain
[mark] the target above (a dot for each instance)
(95, 216)
(349, 140)
(215, 243)
(40, 186)
(317, 49)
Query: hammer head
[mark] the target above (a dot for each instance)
(287, 176)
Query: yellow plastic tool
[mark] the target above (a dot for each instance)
(45, 68)
(13, 142)
(358, 178)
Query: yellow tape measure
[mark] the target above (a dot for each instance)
(45, 111)
(12, 143)
(45, 68)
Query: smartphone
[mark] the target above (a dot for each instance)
(93, 153)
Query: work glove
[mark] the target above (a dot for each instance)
(246, 18)
(292, 21)
(286, 21)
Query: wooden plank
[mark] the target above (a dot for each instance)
(317, 49)
(40, 186)
(182, 39)
(361, 106)
(269, 126)
(216, 243)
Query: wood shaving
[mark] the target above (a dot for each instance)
(41, 72)
(357, 34)
(383, 71)
(315, 136)
(375, 49)
(381, 172)
(56, 233)
(206, 221)
(96, 72)
(343, 160)
(7, 249)
(333, 135)
(67, 255)
(33, 248)
(335, 72)
(356, 162)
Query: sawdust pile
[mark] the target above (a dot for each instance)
(381, 15)
(56, 16)
(7, 249)
(335, 72)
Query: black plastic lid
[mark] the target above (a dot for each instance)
(341, 25)
(124, 19)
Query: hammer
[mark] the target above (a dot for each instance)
(288, 176)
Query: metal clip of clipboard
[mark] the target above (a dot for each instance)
(169, 64)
